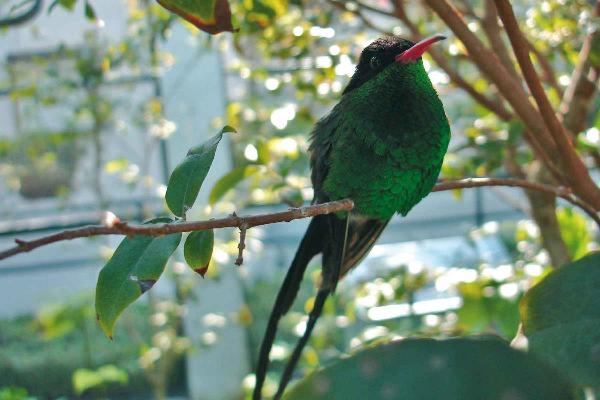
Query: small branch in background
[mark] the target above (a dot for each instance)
(356, 10)
(536, 133)
(455, 77)
(241, 245)
(563, 193)
(576, 173)
(578, 97)
(549, 75)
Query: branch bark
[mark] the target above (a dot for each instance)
(578, 97)
(246, 222)
(495, 106)
(233, 221)
(577, 173)
(536, 133)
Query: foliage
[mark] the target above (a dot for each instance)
(86, 379)
(14, 393)
(425, 368)
(133, 269)
(44, 364)
(561, 321)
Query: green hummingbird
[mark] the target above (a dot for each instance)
(382, 146)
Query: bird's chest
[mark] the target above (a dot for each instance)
(387, 161)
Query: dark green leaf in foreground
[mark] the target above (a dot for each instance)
(561, 319)
(229, 180)
(453, 369)
(187, 178)
(198, 250)
(133, 269)
(212, 16)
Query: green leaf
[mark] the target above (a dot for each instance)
(85, 379)
(212, 16)
(466, 369)
(67, 4)
(561, 319)
(89, 11)
(229, 181)
(198, 250)
(133, 269)
(574, 231)
(187, 178)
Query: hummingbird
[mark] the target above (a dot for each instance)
(382, 145)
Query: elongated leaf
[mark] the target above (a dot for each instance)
(133, 269)
(68, 4)
(411, 369)
(212, 16)
(229, 180)
(561, 319)
(198, 250)
(89, 11)
(187, 178)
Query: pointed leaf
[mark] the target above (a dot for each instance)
(133, 269)
(229, 180)
(561, 319)
(89, 11)
(466, 369)
(212, 16)
(187, 178)
(198, 250)
(67, 4)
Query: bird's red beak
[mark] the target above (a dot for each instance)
(418, 49)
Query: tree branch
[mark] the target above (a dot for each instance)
(536, 133)
(578, 97)
(233, 221)
(495, 106)
(246, 222)
(577, 173)
(563, 193)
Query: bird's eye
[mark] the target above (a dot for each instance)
(375, 62)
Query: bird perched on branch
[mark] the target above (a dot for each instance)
(382, 146)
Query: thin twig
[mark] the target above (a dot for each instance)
(250, 221)
(563, 193)
(241, 245)
(578, 97)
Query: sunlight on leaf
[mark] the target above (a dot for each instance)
(198, 250)
(188, 176)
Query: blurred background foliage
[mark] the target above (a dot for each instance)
(284, 70)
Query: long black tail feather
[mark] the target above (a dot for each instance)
(315, 313)
(311, 245)
(343, 242)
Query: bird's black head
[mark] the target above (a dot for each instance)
(383, 52)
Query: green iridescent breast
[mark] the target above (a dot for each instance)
(386, 141)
